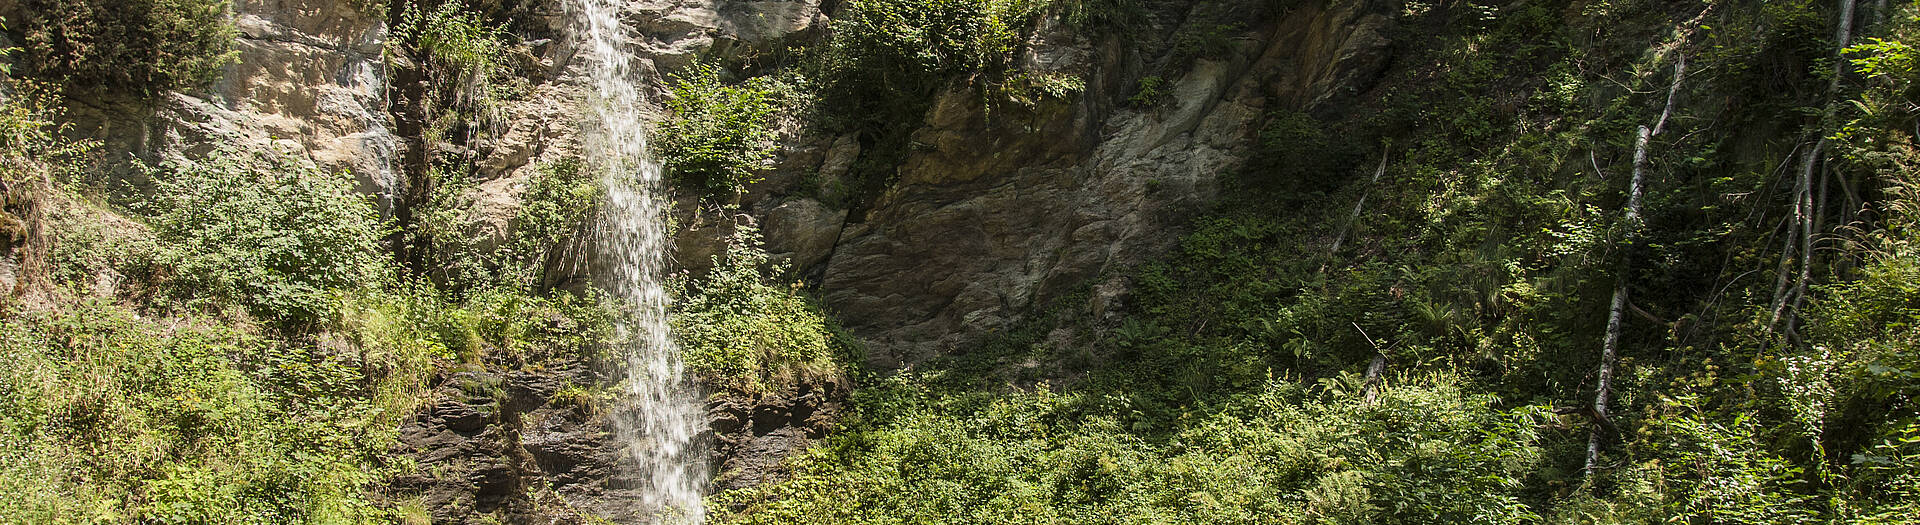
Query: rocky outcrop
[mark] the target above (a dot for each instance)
(991, 217)
(754, 435)
(524, 446)
(536, 444)
(309, 79)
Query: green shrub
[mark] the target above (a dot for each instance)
(554, 212)
(466, 60)
(1151, 91)
(886, 58)
(720, 136)
(1101, 17)
(33, 154)
(1299, 154)
(464, 254)
(266, 231)
(138, 46)
(1426, 452)
(111, 417)
(741, 331)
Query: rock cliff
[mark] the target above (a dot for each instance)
(993, 213)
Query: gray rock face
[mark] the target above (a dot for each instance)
(803, 231)
(673, 33)
(995, 217)
(754, 436)
(494, 446)
(309, 79)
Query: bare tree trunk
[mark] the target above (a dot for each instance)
(1355, 216)
(1804, 205)
(1799, 237)
(1816, 223)
(1375, 372)
(1616, 311)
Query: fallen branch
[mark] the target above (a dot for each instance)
(1610, 346)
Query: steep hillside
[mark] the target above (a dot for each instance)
(968, 261)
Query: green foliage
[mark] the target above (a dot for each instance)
(554, 211)
(1212, 41)
(886, 60)
(137, 387)
(1151, 91)
(467, 59)
(465, 252)
(720, 136)
(1299, 155)
(245, 228)
(32, 154)
(1489, 247)
(1425, 452)
(887, 57)
(742, 331)
(144, 47)
(112, 418)
(1101, 17)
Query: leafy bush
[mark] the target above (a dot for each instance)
(265, 231)
(1151, 91)
(109, 417)
(32, 155)
(720, 136)
(466, 59)
(1426, 452)
(464, 253)
(554, 210)
(138, 46)
(1101, 17)
(740, 331)
(887, 57)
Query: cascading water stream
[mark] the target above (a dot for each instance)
(666, 416)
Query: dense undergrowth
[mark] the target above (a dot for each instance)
(1477, 268)
(239, 345)
(742, 329)
(1425, 348)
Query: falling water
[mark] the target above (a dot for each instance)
(666, 414)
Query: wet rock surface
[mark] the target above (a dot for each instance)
(754, 435)
(537, 445)
(497, 446)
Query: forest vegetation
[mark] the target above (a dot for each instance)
(1607, 261)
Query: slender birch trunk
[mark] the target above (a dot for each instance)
(1616, 311)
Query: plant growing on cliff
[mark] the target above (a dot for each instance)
(265, 230)
(467, 59)
(744, 331)
(887, 58)
(109, 416)
(144, 47)
(721, 135)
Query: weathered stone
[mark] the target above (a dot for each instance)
(675, 32)
(991, 218)
(460, 416)
(803, 230)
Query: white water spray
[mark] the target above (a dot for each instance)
(666, 416)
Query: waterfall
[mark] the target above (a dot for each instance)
(660, 429)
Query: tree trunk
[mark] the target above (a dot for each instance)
(1375, 372)
(1610, 346)
(1804, 205)
(1355, 216)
